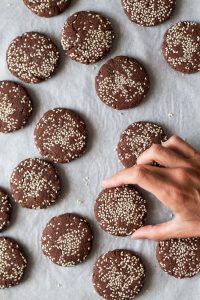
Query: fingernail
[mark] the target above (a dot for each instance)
(104, 184)
(135, 237)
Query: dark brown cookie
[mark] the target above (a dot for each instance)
(67, 240)
(5, 210)
(12, 261)
(32, 57)
(15, 106)
(122, 82)
(120, 211)
(181, 47)
(179, 257)
(87, 37)
(118, 274)
(35, 184)
(61, 135)
(47, 8)
(137, 138)
(149, 13)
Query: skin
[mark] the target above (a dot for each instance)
(176, 185)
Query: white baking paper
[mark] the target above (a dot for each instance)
(174, 102)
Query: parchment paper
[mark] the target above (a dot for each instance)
(174, 102)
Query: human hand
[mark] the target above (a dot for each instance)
(176, 185)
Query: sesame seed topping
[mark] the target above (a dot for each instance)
(120, 211)
(170, 115)
(5, 210)
(15, 106)
(47, 8)
(12, 263)
(35, 184)
(122, 82)
(32, 57)
(118, 274)
(179, 257)
(67, 240)
(148, 13)
(181, 47)
(137, 138)
(61, 135)
(87, 37)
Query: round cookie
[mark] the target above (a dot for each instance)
(32, 57)
(122, 82)
(47, 8)
(118, 274)
(12, 261)
(15, 106)
(179, 257)
(35, 184)
(87, 37)
(149, 13)
(137, 138)
(5, 210)
(181, 47)
(67, 240)
(120, 211)
(61, 135)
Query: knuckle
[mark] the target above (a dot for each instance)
(195, 175)
(157, 238)
(156, 148)
(174, 138)
(196, 155)
(140, 171)
(154, 233)
(178, 195)
(183, 175)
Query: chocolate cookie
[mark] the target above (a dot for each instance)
(5, 210)
(122, 82)
(35, 184)
(181, 47)
(32, 57)
(12, 262)
(61, 135)
(15, 106)
(87, 37)
(47, 8)
(118, 274)
(120, 211)
(179, 257)
(149, 13)
(137, 138)
(67, 240)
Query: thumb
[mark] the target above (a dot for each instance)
(157, 232)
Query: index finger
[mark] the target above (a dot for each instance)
(153, 179)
